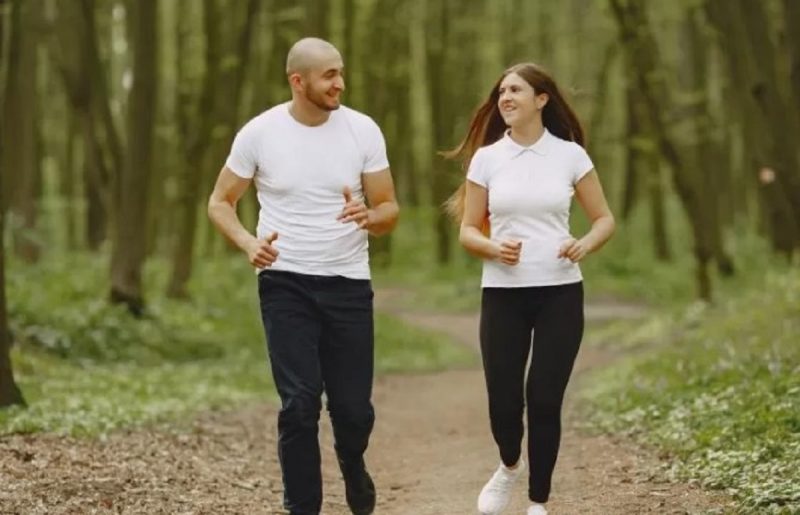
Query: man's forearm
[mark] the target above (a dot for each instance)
(223, 216)
(383, 218)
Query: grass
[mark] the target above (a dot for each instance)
(87, 368)
(716, 388)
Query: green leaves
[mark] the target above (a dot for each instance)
(721, 392)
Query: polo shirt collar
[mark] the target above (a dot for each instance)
(540, 147)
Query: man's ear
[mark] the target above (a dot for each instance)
(295, 80)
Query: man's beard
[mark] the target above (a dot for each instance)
(318, 100)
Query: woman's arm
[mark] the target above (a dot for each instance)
(471, 235)
(589, 193)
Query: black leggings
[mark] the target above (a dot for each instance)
(508, 316)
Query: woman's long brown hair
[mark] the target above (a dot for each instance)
(487, 126)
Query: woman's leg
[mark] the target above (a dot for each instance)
(505, 334)
(558, 330)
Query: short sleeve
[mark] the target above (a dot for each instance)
(582, 164)
(242, 158)
(375, 158)
(476, 172)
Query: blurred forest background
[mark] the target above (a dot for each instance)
(118, 114)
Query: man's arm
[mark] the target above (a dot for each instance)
(384, 210)
(222, 212)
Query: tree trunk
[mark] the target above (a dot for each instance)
(10, 394)
(701, 149)
(195, 122)
(21, 157)
(643, 56)
(210, 129)
(658, 217)
(73, 47)
(791, 16)
(317, 14)
(440, 102)
(130, 237)
(759, 134)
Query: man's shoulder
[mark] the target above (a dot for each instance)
(357, 118)
(265, 119)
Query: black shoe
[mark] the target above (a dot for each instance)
(358, 488)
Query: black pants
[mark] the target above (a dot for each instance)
(508, 315)
(320, 337)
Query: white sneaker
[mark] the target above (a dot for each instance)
(537, 509)
(496, 492)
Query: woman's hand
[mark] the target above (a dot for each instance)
(574, 250)
(509, 251)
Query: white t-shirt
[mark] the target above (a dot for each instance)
(530, 190)
(300, 173)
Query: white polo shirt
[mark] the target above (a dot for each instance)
(530, 190)
(300, 173)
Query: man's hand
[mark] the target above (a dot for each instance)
(354, 210)
(261, 253)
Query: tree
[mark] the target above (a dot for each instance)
(10, 393)
(74, 48)
(644, 61)
(130, 236)
(21, 156)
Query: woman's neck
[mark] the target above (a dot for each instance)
(527, 134)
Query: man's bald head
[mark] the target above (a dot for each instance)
(310, 53)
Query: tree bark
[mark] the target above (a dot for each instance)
(643, 56)
(10, 393)
(791, 15)
(208, 130)
(73, 47)
(441, 115)
(130, 236)
(759, 134)
(21, 157)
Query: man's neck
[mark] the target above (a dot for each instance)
(306, 114)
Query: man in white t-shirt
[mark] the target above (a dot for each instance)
(323, 182)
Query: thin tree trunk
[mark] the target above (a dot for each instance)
(658, 217)
(702, 150)
(195, 121)
(10, 393)
(130, 236)
(791, 16)
(21, 156)
(441, 96)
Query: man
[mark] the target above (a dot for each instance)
(313, 161)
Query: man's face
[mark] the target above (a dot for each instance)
(323, 84)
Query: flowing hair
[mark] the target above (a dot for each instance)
(487, 126)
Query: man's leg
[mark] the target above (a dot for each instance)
(293, 327)
(347, 356)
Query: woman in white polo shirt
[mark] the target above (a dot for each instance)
(525, 160)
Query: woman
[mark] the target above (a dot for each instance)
(525, 160)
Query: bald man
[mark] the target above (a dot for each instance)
(323, 183)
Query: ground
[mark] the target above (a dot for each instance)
(430, 453)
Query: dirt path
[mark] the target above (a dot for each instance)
(430, 454)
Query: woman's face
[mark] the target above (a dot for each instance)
(518, 103)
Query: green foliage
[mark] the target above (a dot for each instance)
(87, 368)
(719, 390)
